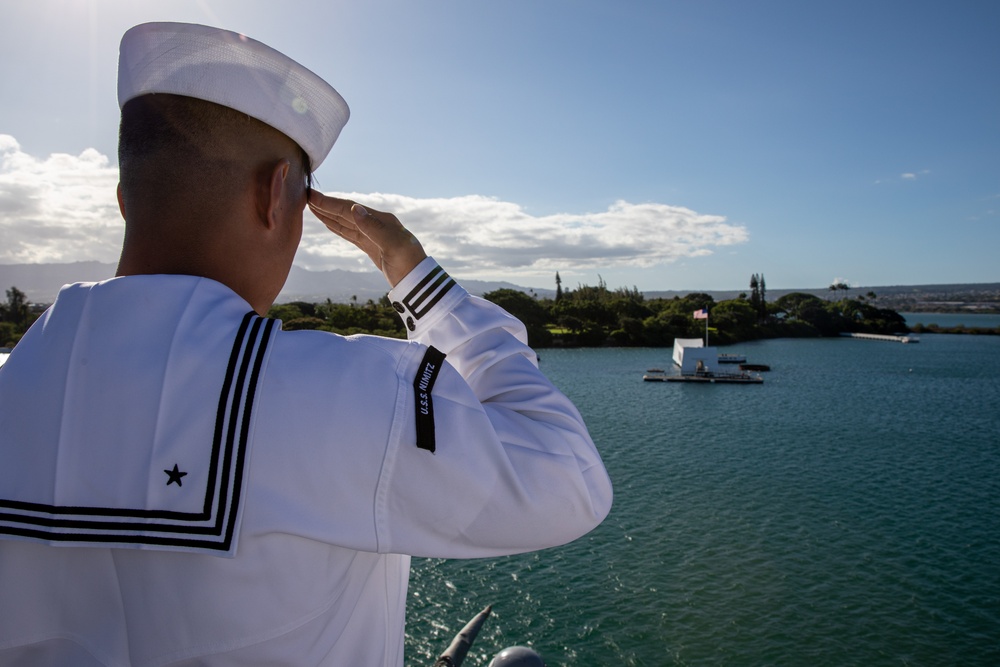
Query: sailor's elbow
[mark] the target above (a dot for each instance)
(589, 509)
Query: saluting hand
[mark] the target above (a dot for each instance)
(390, 246)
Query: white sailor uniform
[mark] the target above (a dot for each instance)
(182, 482)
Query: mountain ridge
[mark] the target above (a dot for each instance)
(41, 283)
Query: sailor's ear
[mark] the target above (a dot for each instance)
(276, 192)
(121, 201)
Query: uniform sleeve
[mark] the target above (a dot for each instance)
(513, 467)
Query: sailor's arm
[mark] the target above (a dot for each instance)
(513, 454)
(520, 469)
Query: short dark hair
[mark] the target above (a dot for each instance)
(162, 136)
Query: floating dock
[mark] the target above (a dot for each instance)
(891, 339)
(699, 364)
(718, 378)
(703, 377)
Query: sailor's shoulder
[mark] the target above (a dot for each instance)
(310, 351)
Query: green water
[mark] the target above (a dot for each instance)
(845, 512)
(967, 320)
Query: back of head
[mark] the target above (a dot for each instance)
(187, 159)
(200, 103)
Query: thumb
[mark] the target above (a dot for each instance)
(359, 212)
(372, 226)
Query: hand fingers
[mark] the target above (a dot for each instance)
(342, 215)
(384, 229)
(336, 215)
(329, 206)
(398, 250)
(349, 220)
(380, 235)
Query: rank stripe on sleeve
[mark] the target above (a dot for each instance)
(213, 528)
(427, 373)
(428, 292)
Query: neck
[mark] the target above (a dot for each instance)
(231, 261)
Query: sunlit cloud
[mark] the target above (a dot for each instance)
(63, 209)
(57, 209)
(483, 237)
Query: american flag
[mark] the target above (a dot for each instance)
(701, 314)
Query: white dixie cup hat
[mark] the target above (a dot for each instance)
(235, 71)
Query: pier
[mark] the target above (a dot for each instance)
(892, 339)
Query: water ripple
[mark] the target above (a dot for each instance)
(845, 512)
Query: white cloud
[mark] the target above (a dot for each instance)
(58, 209)
(63, 208)
(482, 237)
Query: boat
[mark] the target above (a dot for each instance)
(755, 367)
(655, 375)
(728, 358)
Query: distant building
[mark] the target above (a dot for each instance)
(691, 355)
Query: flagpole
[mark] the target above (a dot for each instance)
(702, 314)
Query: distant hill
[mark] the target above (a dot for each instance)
(339, 286)
(41, 283)
(959, 297)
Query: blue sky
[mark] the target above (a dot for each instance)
(663, 145)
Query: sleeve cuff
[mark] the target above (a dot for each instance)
(425, 292)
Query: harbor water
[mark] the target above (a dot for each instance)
(845, 512)
(967, 320)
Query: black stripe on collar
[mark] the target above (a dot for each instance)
(213, 529)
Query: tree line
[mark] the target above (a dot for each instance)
(595, 316)
(16, 315)
(588, 316)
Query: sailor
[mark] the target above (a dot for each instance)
(181, 481)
